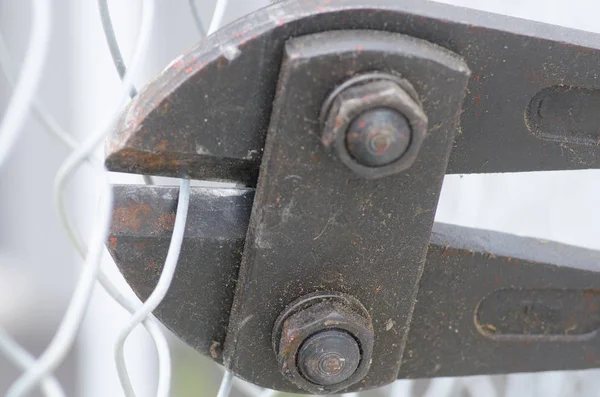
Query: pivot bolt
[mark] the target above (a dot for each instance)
(329, 357)
(378, 137)
(324, 342)
(375, 124)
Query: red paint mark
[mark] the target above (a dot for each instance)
(477, 100)
(280, 21)
(113, 242)
(189, 70)
(178, 65)
(362, 124)
(476, 78)
(360, 48)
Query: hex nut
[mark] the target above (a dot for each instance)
(344, 106)
(303, 326)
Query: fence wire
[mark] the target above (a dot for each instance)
(38, 372)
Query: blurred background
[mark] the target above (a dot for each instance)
(38, 266)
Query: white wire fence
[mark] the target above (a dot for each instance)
(37, 372)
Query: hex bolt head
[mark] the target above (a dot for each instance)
(324, 342)
(378, 137)
(375, 124)
(329, 357)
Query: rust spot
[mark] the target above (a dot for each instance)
(165, 107)
(450, 252)
(165, 222)
(590, 298)
(162, 146)
(113, 242)
(143, 162)
(221, 62)
(215, 350)
(130, 218)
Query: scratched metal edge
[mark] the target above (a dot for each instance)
(277, 16)
(513, 246)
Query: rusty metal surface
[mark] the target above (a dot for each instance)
(317, 226)
(553, 304)
(307, 318)
(206, 116)
(486, 303)
(197, 306)
(464, 268)
(502, 304)
(380, 96)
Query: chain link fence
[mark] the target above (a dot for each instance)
(58, 77)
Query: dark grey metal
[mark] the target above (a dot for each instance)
(227, 84)
(197, 306)
(464, 268)
(487, 303)
(565, 113)
(299, 330)
(404, 135)
(317, 226)
(329, 357)
(378, 137)
(492, 303)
